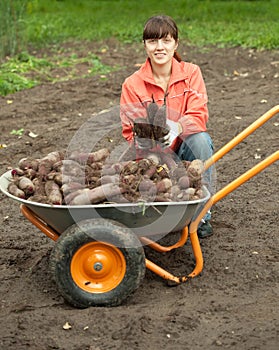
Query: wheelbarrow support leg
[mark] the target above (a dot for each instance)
(32, 217)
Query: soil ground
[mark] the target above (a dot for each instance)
(233, 304)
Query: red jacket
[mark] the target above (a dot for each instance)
(186, 99)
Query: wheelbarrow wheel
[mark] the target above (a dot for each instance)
(97, 262)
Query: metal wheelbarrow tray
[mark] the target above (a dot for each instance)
(145, 219)
(99, 260)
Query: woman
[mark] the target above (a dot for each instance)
(165, 78)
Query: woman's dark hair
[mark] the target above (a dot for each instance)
(158, 27)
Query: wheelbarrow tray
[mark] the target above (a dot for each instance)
(145, 219)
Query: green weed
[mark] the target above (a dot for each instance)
(25, 71)
(12, 82)
(12, 38)
(18, 132)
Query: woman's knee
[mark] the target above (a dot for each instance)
(196, 146)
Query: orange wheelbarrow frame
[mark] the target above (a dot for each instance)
(190, 230)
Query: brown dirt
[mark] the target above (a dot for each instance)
(234, 303)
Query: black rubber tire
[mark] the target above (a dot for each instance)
(95, 230)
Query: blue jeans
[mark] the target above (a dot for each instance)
(198, 146)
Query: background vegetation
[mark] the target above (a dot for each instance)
(26, 24)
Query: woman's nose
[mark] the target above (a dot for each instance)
(159, 43)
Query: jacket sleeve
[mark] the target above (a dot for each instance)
(196, 115)
(131, 108)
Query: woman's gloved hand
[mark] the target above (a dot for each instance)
(175, 129)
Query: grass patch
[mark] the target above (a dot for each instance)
(208, 22)
(12, 82)
(25, 71)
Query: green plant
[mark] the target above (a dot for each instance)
(12, 82)
(18, 132)
(24, 71)
(12, 37)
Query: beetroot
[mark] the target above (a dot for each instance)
(87, 179)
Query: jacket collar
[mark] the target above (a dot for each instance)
(177, 74)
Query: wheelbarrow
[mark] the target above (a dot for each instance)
(99, 259)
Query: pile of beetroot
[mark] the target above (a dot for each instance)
(91, 178)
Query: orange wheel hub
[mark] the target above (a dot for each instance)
(98, 267)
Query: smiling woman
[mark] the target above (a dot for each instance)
(178, 89)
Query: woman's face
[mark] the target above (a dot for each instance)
(160, 51)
